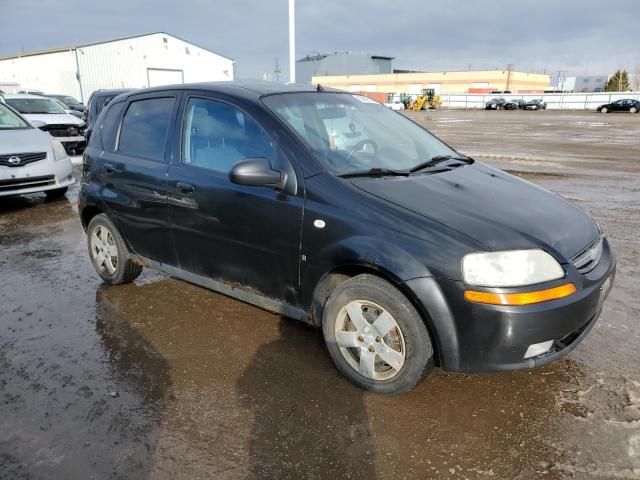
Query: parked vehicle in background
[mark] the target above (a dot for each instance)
(624, 105)
(395, 105)
(535, 105)
(495, 104)
(66, 109)
(406, 253)
(67, 128)
(32, 92)
(514, 104)
(97, 101)
(30, 159)
(70, 102)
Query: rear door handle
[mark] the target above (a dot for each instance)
(109, 168)
(185, 187)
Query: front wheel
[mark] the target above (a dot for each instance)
(604, 110)
(109, 253)
(633, 109)
(375, 336)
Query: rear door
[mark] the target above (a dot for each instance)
(135, 173)
(241, 235)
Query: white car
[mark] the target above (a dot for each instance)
(395, 105)
(67, 128)
(30, 159)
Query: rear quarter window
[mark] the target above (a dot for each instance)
(109, 127)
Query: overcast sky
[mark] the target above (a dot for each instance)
(578, 36)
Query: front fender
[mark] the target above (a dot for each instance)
(377, 254)
(352, 254)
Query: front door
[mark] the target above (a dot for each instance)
(135, 174)
(241, 235)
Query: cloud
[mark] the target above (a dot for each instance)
(579, 36)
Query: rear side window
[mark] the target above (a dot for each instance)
(144, 128)
(109, 129)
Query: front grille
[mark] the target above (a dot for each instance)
(587, 259)
(63, 130)
(27, 182)
(20, 159)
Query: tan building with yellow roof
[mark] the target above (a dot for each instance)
(483, 81)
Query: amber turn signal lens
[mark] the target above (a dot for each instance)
(524, 298)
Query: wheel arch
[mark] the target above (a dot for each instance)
(87, 214)
(334, 277)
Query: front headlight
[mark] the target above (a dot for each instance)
(514, 268)
(59, 153)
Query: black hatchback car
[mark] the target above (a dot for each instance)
(97, 101)
(332, 209)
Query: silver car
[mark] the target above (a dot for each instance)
(31, 160)
(69, 129)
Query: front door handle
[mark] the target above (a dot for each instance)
(185, 187)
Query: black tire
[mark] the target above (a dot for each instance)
(57, 193)
(419, 356)
(633, 109)
(126, 270)
(604, 110)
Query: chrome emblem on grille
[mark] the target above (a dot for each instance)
(14, 160)
(587, 260)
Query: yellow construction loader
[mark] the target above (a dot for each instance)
(428, 100)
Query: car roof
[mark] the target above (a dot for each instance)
(111, 91)
(242, 88)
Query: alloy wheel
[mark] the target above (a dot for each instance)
(370, 340)
(104, 250)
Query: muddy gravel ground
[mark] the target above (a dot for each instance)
(161, 379)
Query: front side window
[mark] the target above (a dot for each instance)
(9, 120)
(35, 105)
(144, 128)
(350, 133)
(217, 135)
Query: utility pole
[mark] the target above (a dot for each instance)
(292, 42)
(276, 71)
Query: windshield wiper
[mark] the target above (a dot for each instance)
(376, 172)
(437, 160)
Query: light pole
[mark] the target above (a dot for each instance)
(292, 41)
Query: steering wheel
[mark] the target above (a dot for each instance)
(361, 144)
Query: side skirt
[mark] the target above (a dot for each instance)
(232, 291)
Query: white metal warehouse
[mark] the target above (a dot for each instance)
(132, 62)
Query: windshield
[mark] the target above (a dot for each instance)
(68, 100)
(351, 133)
(9, 120)
(60, 104)
(35, 105)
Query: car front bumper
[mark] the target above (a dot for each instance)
(474, 337)
(36, 177)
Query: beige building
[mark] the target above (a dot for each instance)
(442, 82)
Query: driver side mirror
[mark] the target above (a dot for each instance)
(257, 172)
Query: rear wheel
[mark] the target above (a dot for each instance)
(375, 336)
(633, 109)
(56, 193)
(108, 252)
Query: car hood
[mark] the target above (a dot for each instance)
(499, 210)
(24, 141)
(54, 118)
